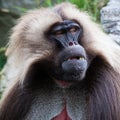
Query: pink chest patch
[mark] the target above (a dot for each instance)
(62, 116)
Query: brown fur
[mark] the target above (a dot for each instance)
(29, 44)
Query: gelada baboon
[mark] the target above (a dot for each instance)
(61, 66)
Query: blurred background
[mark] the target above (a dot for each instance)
(11, 10)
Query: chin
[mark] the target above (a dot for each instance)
(69, 80)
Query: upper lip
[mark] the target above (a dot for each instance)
(75, 52)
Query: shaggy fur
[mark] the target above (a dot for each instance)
(28, 45)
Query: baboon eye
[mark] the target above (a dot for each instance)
(73, 29)
(59, 32)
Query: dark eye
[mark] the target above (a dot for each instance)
(73, 29)
(59, 32)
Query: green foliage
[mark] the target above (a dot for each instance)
(2, 62)
(91, 6)
(2, 58)
(52, 2)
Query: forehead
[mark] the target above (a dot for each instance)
(67, 21)
(65, 24)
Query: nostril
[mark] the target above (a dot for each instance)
(70, 43)
(75, 43)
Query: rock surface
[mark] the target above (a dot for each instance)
(110, 19)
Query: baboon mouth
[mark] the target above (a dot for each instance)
(74, 64)
(77, 58)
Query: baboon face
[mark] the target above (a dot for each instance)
(70, 63)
